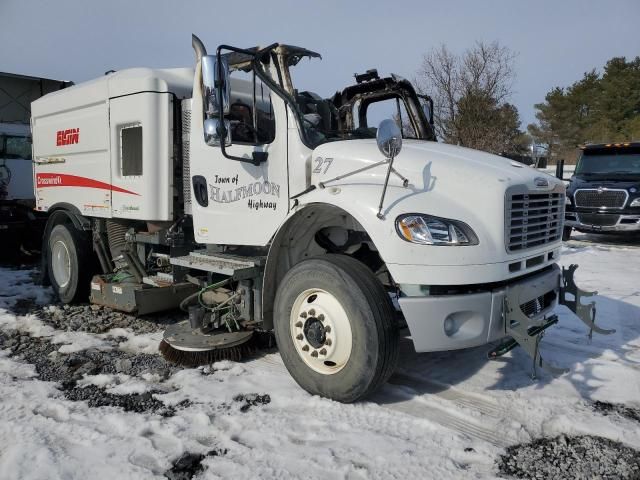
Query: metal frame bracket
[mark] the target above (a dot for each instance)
(585, 312)
(526, 332)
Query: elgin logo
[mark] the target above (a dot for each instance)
(67, 137)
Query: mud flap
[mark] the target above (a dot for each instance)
(586, 313)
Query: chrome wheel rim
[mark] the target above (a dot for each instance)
(61, 263)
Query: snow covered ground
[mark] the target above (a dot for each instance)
(444, 415)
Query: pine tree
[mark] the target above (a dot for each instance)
(597, 108)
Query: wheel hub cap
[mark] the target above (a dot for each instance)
(314, 332)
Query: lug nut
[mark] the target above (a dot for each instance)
(305, 348)
(327, 329)
(303, 314)
(327, 342)
(299, 324)
(323, 351)
(312, 312)
(321, 317)
(314, 353)
(299, 336)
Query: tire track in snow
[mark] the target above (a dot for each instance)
(432, 401)
(423, 398)
(473, 401)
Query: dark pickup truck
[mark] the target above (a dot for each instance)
(604, 192)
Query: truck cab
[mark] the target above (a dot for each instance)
(333, 221)
(604, 191)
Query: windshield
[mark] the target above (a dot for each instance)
(609, 162)
(356, 111)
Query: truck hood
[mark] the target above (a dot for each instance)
(422, 162)
(444, 181)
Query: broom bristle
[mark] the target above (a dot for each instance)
(207, 357)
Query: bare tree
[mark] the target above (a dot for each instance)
(470, 93)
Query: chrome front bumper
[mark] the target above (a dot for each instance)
(619, 223)
(451, 322)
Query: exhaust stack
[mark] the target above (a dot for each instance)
(198, 47)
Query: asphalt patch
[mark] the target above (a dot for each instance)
(53, 366)
(567, 457)
(67, 369)
(606, 408)
(99, 319)
(135, 402)
(190, 464)
(249, 400)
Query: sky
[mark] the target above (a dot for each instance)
(555, 41)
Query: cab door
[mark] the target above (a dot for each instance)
(236, 202)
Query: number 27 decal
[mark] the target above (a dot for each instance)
(320, 162)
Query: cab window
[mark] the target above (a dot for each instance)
(246, 127)
(12, 147)
(372, 113)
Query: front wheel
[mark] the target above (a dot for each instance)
(566, 233)
(335, 328)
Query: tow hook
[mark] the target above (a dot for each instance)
(586, 313)
(528, 331)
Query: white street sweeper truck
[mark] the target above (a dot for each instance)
(258, 206)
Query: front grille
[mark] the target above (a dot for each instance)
(533, 219)
(598, 220)
(536, 306)
(593, 198)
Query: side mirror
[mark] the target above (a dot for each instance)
(389, 138)
(215, 75)
(214, 132)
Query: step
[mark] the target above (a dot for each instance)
(222, 263)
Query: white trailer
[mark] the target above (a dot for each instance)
(259, 206)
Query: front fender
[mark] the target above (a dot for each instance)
(411, 263)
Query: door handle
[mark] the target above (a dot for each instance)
(200, 190)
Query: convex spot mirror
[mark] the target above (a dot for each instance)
(215, 85)
(214, 131)
(389, 138)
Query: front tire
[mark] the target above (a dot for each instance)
(68, 262)
(335, 328)
(566, 233)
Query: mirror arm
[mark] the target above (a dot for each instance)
(256, 157)
(384, 188)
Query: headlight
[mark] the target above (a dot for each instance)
(428, 230)
(635, 202)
